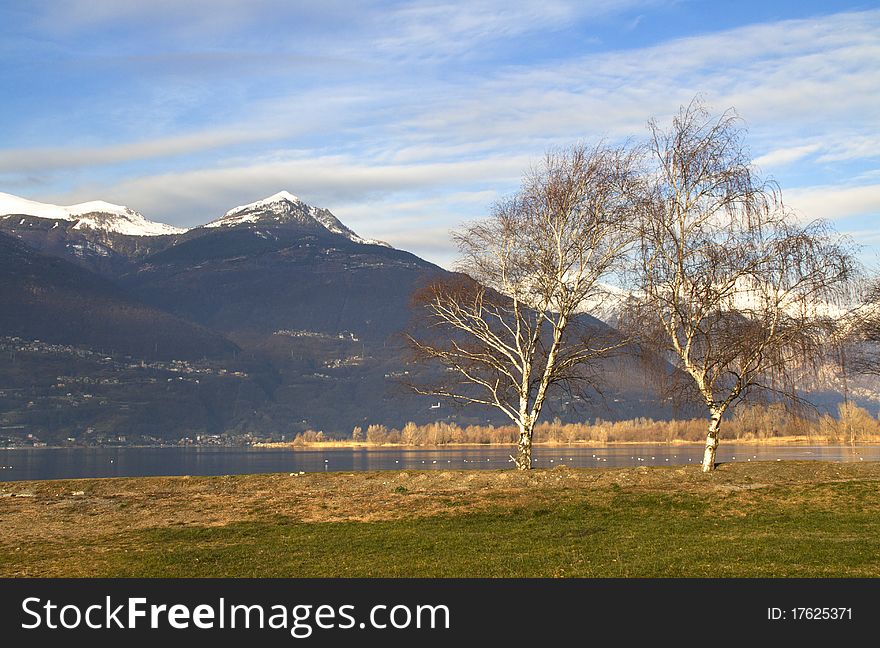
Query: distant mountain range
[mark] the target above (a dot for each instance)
(276, 302)
(269, 320)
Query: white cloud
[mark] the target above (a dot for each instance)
(326, 181)
(783, 156)
(834, 202)
(60, 158)
(436, 29)
(855, 146)
(408, 29)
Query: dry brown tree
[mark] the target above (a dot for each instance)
(506, 330)
(729, 287)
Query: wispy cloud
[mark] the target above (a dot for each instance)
(59, 158)
(779, 157)
(834, 202)
(326, 181)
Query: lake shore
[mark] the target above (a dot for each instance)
(778, 440)
(787, 518)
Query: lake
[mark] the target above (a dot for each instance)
(66, 463)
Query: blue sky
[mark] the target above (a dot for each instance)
(407, 118)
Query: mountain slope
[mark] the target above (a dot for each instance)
(279, 264)
(260, 280)
(47, 298)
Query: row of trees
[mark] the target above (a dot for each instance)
(725, 289)
(747, 422)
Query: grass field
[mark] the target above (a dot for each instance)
(746, 519)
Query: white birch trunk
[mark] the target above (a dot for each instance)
(523, 459)
(712, 440)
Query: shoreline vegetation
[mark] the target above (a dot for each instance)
(367, 445)
(758, 424)
(760, 519)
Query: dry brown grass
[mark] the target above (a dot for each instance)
(49, 511)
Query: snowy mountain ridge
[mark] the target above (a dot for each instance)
(282, 207)
(95, 214)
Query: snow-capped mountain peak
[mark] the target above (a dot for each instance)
(284, 207)
(95, 214)
(266, 203)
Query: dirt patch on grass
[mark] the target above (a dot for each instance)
(58, 511)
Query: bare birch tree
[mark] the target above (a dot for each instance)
(506, 330)
(730, 288)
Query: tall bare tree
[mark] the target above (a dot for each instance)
(506, 329)
(729, 287)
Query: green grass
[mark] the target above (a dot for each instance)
(833, 530)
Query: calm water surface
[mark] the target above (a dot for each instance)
(67, 463)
